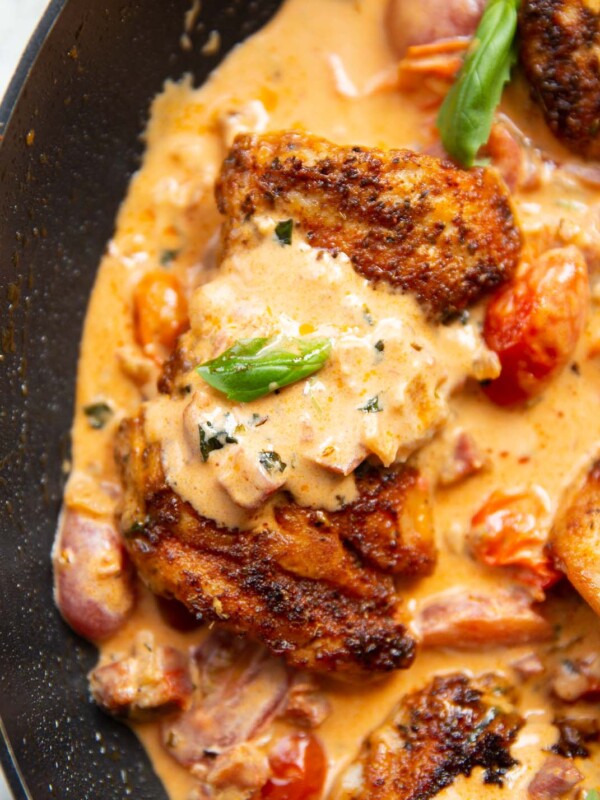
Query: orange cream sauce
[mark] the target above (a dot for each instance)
(320, 429)
(325, 66)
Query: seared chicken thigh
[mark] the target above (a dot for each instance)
(560, 51)
(317, 585)
(575, 538)
(417, 223)
(317, 588)
(446, 729)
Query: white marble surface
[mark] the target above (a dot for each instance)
(18, 19)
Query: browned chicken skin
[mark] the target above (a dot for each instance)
(444, 234)
(560, 52)
(446, 729)
(575, 539)
(317, 588)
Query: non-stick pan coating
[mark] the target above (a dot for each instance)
(70, 127)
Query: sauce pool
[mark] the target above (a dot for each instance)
(324, 66)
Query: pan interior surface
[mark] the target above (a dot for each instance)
(70, 125)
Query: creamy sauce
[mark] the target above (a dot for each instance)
(292, 75)
(382, 392)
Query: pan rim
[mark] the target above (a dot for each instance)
(8, 103)
(12, 771)
(28, 58)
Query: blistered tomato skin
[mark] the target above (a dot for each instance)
(510, 530)
(160, 311)
(534, 324)
(299, 768)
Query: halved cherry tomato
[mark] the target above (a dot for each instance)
(299, 768)
(508, 531)
(534, 324)
(160, 311)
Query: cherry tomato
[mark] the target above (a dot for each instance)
(299, 768)
(160, 311)
(534, 323)
(508, 531)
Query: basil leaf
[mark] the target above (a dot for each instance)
(271, 461)
(167, 256)
(372, 406)
(367, 316)
(212, 439)
(98, 414)
(283, 231)
(139, 527)
(592, 794)
(466, 116)
(252, 368)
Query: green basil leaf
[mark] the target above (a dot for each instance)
(252, 368)
(212, 439)
(167, 256)
(466, 116)
(283, 231)
(592, 794)
(372, 406)
(139, 527)
(271, 461)
(98, 414)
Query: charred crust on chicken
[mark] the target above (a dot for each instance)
(419, 224)
(336, 610)
(560, 53)
(437, 733)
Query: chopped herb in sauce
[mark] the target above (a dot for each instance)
(271, 461)
(309, 388)
(256, 420)
(372, 406)
(284, 230)
(138, 526)
(167, 256)
(380, 346)
(98, 415)
(212, 439)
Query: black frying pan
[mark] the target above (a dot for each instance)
(70, 126)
